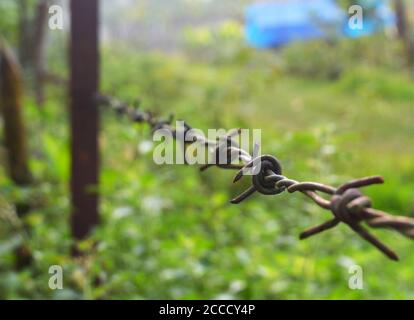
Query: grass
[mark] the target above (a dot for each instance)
(170, 232)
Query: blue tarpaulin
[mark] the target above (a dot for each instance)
(271, 25)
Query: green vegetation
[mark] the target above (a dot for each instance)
(170, 232)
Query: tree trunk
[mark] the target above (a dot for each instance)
(24, 35)
(404, 31)
(11, 95)
(39, 50)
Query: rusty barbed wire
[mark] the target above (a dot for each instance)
(346, 203)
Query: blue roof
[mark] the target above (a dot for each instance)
(293, 12)
(274, 24)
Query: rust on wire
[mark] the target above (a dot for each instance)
(346, 203)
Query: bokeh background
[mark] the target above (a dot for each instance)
(332, 108)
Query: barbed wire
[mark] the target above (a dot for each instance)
(346, 203)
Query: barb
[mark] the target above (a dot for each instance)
(346, 203)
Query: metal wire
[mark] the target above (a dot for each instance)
(346, 203)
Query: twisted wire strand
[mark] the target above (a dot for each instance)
(346, 203)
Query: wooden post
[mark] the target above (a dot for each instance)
(84, 75)
(23, 33)
(15, 138)
(40, 23)
(11, 96)
(404, 31)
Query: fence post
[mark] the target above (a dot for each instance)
(11, 99)
(84, 82)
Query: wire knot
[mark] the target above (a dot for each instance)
(349, 206)
(225, 152)
(266, 171)
(268, 166)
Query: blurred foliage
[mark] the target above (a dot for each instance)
(223, 44)
(11, 13)
(329, 59)
(9, 20)
(314, 59)
(169, 231)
